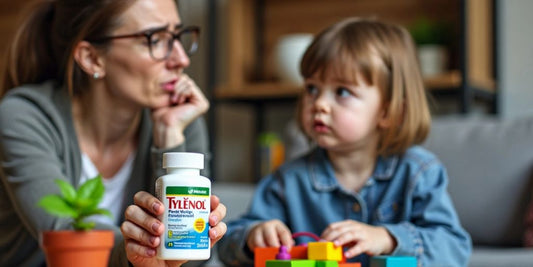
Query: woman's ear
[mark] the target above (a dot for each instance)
(89, 59)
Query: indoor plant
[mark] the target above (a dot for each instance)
(432, 40)
(82, 246)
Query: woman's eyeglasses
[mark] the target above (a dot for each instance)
(160, 42)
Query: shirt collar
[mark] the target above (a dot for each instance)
(322, 174)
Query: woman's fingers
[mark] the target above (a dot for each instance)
(218, 211)
(149, 203)
(217, 232)
(136, 250)
(141, 236)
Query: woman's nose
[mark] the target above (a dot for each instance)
(178, 58)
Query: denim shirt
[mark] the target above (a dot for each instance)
(406, 194)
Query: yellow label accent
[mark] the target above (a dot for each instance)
(199, 225)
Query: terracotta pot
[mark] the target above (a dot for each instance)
(77, 248)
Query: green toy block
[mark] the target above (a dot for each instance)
(327, 264)
(393, 261)
(324, 251)
(290, 263)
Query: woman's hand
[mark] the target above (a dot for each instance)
(141, 229)
(185, 105)
(360, 238)
(273, 233)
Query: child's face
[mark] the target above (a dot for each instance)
(340, 115)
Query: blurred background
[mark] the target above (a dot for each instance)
(476, 57)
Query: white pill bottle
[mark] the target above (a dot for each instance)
(186, 196)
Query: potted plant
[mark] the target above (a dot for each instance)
(82, 246)
(432, 38)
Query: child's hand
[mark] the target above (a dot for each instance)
(360, 238)
(273, 233)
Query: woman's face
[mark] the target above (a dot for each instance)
(132, 76)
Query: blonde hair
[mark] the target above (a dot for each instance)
(384, 56)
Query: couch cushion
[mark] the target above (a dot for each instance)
(489, 162)
(501, 256)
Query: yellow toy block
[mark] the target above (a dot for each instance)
(324, 251)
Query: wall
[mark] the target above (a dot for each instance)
(10, 13)
(515, 58)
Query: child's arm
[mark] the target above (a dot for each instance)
(431, 231)
(429, 228)
(263, 221)
(360, 238)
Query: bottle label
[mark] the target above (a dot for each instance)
(187, 217)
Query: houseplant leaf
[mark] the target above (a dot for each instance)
(56, 205)
(92, 189)
(77, 204)
(67, 190)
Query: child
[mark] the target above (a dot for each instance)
(367, 186)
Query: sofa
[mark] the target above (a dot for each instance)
(489, 162)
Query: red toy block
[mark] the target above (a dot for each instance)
(261, 255)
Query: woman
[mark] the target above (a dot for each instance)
(99, 89)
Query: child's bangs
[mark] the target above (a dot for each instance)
(346, 64)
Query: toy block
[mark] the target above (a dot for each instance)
(327, 264)
(261, 255)
(298, 252)
(393, 261)
(349, 264)
(290, 263)
(323, 251)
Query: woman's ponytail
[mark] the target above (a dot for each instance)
(30, 57)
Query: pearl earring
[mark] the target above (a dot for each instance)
(96, 75)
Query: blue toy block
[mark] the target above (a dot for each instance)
(393, 261)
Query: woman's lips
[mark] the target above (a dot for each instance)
(169, 86)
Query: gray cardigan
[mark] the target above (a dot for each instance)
(38, 144)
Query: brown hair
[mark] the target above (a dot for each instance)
(42, 48)
(383, 55)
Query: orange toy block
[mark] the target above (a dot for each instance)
(261, 255)
(324, 251)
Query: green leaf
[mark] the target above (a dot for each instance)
(67, 190)
(77, 205)
(104, 212)
(81, 225)
(56, 205)
(93, 189)
(83, 204)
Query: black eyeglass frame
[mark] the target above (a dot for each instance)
(148, 35)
